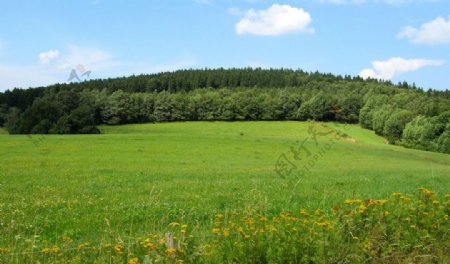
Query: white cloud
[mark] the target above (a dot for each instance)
(386, 70)
(46, 57)
(93, 59)
(55, 66)
(27, 76)
(433, 32)
(276, 20)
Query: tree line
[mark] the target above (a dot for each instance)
(402, 113)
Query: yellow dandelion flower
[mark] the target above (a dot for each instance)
(174, 224)
(55, 249)
(394, 194)
(241, 229)
(171, 251)
(83, 246)
(304, 212)
(352, 201)
(184, 226)
(380, 202)
(119, 249)
(220, 216)
(216, 230)
(149, 245)
(362, 208)
(426, 192)
(435, 202)
(318, 212)
(133, 261)
(226, 232)
(261, 218)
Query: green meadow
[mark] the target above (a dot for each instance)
(133, 180)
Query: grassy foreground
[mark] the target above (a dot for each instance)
(121, 188)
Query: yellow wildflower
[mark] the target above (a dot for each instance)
(119, 249)
(171, 251)
(426, 192)
(55, 249)
(149, 245)
(216, 230)
(220, 216)
(133, 261)
(380, 202)
(304, 212)
(352, 201)
(362, 208)
(226, 232)
(83, 246)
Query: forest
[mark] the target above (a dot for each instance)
(402, 113)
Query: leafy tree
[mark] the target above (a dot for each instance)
(393, 128)
(320, 108)
(379, 118)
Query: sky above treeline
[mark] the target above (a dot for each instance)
(52, 41)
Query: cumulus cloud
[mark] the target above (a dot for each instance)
(386, 70)
(276, 20)
(46, 57)
(434, 32)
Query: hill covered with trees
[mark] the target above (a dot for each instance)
(402, 113)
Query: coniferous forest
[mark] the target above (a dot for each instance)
(404, 114)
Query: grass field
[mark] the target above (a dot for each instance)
(137, 179)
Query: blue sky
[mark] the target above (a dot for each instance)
(42, 41)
